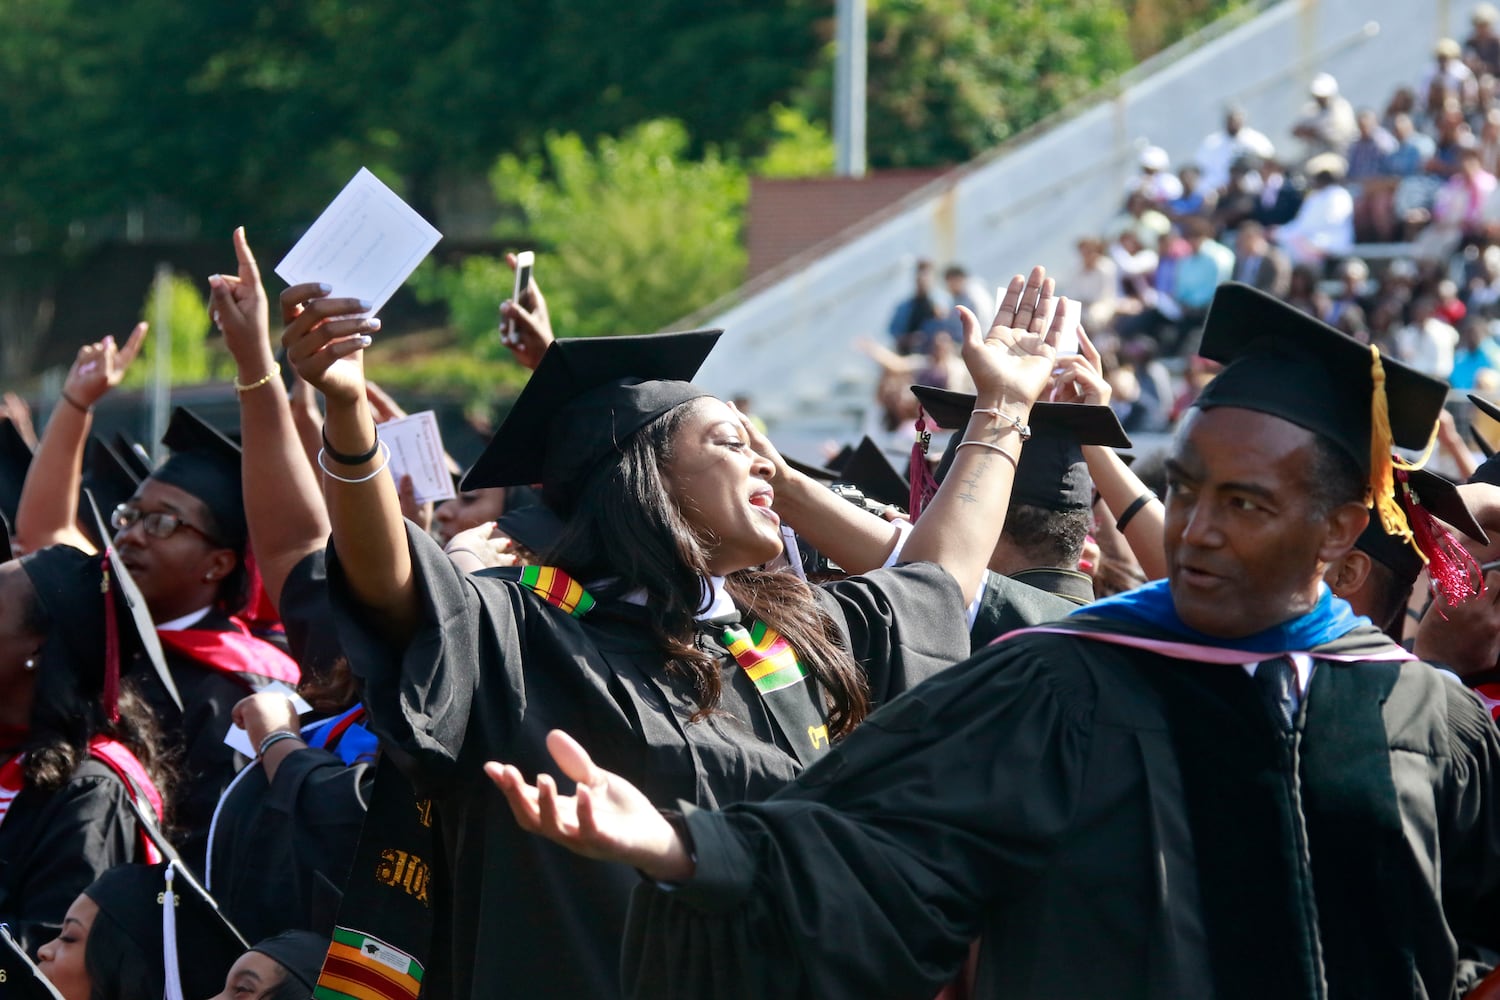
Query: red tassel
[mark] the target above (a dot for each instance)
(923, 486)
(1455, 574)
(111, 647)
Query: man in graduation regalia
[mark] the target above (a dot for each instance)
(1224, 784)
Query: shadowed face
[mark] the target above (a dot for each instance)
(1246, 542)
(61, 959)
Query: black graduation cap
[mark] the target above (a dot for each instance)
(1481, 443)
(837, 462)
(1441, 499)
(818, 472)
(584, 400)
(15, 461)
(872, 473)
(536, 527)
(1051, 473)
(300, 953)
(22, 979)
(110, 476)
(132, 454)
(206, 464)
(162, 910)
(1283, 362)
(69, 584)
(1489, 469)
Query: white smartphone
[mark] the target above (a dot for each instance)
(524, 262)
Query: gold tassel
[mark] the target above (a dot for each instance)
(1383, 462)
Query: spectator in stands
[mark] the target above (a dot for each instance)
(1412, 150)
(1160, 313)
(1489, 140)
(1209, 265)
(1426, 342)
(1195, 198)
(1303, 292)
(1487, 96)
(1156, 180)
(1241, 198)
(1449, 72)
(1095, 285)
(1453, 136)
(1259, 263)
(1141, 215)
(1482, 47)
(1369, 153)
(1218, 151)
(1327, 124)
(968, 291)
(1280, 196)
(1482, 282)
(1347, 310)
(1324, 224)
(1450, 308)
(1136, 266)
(1477, 352)
(907, 320)
(1457, 210)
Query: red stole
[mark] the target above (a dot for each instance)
(234, 652)
(112, 754)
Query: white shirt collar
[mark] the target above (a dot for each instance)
(185, 622)
(714, 596)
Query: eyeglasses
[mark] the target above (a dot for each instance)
(156, 523)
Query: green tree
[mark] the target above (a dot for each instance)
(187, 319)
(632, 234)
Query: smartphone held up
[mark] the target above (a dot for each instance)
(525, 260)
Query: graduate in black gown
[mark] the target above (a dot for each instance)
(75, 749)
(703, 678)
(1225, 784)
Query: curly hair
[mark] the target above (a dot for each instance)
(628, 529)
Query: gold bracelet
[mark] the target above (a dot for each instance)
(986, 444)
(268, 376)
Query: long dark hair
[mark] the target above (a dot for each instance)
(65, 715)
(626, 528)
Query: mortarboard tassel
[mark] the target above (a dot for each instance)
(1450, 567)
(171, 968)
(111, 647)
(923, 486)
(1383, 464)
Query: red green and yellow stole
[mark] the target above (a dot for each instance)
(765, 656)
(558, 589)
(361, 967)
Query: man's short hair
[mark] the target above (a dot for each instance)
(1334, 478)
(1047, 538)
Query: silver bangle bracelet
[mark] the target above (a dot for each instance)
(361, 479)
(274, 738)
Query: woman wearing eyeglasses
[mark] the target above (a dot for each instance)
(182, 536)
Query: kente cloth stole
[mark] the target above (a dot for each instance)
(765, 657)
(383, 931)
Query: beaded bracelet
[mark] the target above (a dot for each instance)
(267, 377)
(361, 479)
(274, 738)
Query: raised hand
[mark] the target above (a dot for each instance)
(608, 818)
(101, 366)
(1079, 378)
(1012, 362)
(762, 446)
(323, 340)
(533, 324)
(262, 714)
(1465, 637)
(241, 310)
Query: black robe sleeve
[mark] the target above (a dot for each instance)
(868, 876)
(57, 843)
(903, 624)
(272, 842)
(305, 614)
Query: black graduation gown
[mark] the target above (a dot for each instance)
(1030, 597)
(1058, 797)
(54, 844)
(197, 733)
(492, 668)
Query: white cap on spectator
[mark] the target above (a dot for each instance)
(1155, 158)
(1447, 48)
(1485, 13)
(1326, 163)
(1323, 85)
